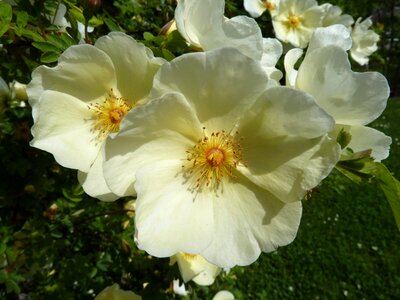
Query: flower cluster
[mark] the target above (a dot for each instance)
(219, 146)
(294, 22)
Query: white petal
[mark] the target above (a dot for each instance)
(254, 7)
(351, 98)
(83, 71)
(223, 295)
(291, 58)
(162, 129)
(272, 51)
(63, 127)
(169, 217)
(196, 20)
(93, 182)
(248, 220)
(135, 66)
(336, 35)
(219, 84)
(363, 138)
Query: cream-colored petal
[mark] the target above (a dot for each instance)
(63, 127)
(291, 58)
(335, 35)
(83, 71)
(219, 84)
(93, 182)
(287, 167)
(351, 98)
(135, 66)
(162, 129)
(196, 20)
(223, 295)
(170, 218)
(247, 221)
(284, 111)
(363, 138)
(272, 51)
(254, 7)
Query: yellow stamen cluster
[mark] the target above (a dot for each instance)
(108, 114)
(212, 158)
(293, 22)
(188, 256)
(269, 5)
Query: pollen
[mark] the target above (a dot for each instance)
(213, 158)
(107, 115)
(293, 21)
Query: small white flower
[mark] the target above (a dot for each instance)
(218, 160)
(364, 41)
(223, 295)
(257, 7)
(80, 102)
(353, 99)
(196, 268)
(296, 20)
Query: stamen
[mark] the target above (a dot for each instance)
(212, 159)
(293, 21)
(269, 5)
(108, 114)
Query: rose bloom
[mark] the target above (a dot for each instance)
(353, 99)
(257, 7)
(115, 293)
(296, 20)
(196, 268)
(80, 102)
(364, 41)
(333, 15)
(204, 26)
(219, 162)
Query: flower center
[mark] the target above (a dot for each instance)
(293, 21)
(108, 114)
(269, 5)
(213, 158)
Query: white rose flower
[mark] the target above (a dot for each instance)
(78, 103)
(364, 41)
(296, 20)
(223, 295)
(353, 99)
(196, 268)
(203, 25)
(218, 161)
(257, 7)
(115, 293)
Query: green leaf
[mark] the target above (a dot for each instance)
(111, 25)
(391, 189)
(343, 138)
(5, 17)
(12, 286)
(49, 57)
(22, 19)
(168, 54)
(357, 166)
(27, 33)
(148, 36)
(45, 47)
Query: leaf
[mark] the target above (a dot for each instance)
(343, 138)
(5, 17)
(49, 57)
(168, 54)
(12, 286)
(45, 47)
(148, 36)
(357, 166)
(32, 35)
(111, 25)
(22, 19)
(391, 189)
